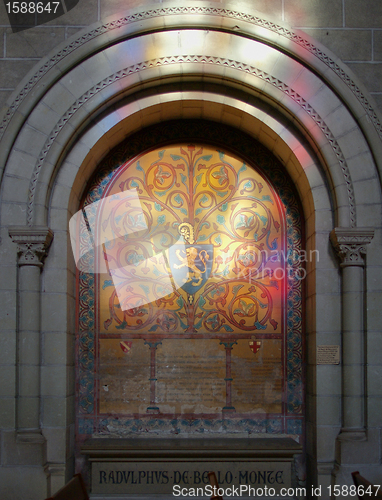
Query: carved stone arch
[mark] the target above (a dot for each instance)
(270, 82)
(264, 79)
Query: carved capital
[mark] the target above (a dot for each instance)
(32, 244)
(350, 244)
(228, 344)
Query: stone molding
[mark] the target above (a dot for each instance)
(325, 468)
(55, 474)
(350, 244)
(30, 437)
(198, 11)
(32, 244)
(54, 469)
(352, 435)
(138, 449)
(192, 59)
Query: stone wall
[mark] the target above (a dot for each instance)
(353, 36)
(352, 32)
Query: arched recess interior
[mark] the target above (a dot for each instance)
(243, 233)
(203, 62)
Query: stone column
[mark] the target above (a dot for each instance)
(228, 375)
(350, 245)
(153, 408)
(32, 246)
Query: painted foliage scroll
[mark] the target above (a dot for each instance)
(196, 299)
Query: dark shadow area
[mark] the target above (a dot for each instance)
(23, 15)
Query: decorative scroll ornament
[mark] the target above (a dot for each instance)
(187, 231)
(32, 244)
(219, 275)
(350, 244)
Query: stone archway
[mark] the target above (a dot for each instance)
(178, 63)
(225, 337)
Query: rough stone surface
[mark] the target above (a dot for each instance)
(368, 16)
(377, 45)
(15, 453)
(12, 71)
(314, 13)
(377, 99)
(3, 15)
(33, 42)
(84, 13)
(343, 41)
(108, 8)
(369, 73)
(4, 96)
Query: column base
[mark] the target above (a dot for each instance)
(351, 434)
(152, 409)
(355, 450)
(228, 409)
(56, 477)
(30, 436)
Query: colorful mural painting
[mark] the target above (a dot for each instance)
(194, 322)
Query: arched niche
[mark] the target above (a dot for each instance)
(189, 297)
(121, 76)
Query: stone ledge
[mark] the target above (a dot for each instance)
(30, 437)
(192, 449)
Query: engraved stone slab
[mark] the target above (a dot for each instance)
(154, 466)
(328, 354)
(153, 477)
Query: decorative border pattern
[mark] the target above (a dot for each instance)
(119, 428)
(222, 61)
(257, 21)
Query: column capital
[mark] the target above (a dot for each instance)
(350, 244)
(153, 344)
(228, 344)
(32, 244)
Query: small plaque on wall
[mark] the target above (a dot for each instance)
(328, 354)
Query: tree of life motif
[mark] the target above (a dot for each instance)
(213, 225)
(196, 311)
